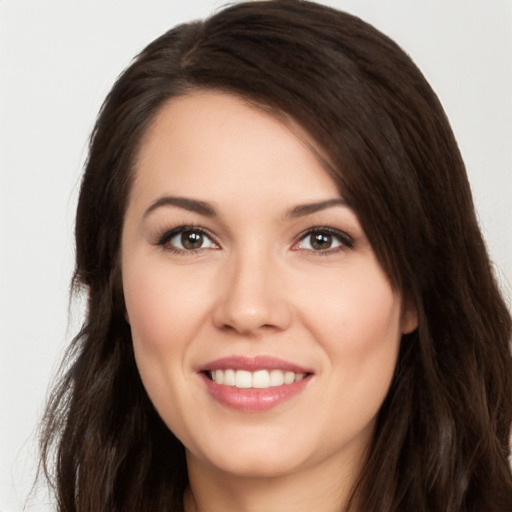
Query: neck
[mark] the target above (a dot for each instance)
(325, 489)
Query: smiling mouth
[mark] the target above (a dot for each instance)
(254, 384)
(260, 379)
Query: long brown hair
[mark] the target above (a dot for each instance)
(442, 437)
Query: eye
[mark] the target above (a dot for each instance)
(187, 239)
(324, 240)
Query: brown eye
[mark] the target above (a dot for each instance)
(191, 239)
(324, 240)
(321, 241)
(187, 239)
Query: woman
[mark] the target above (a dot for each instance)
(289, 300)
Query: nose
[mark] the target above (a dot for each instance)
(251, 296)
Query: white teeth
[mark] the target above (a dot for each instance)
(219, 376)
(260, 379)
(243, 379)
(229, 377)
(276, 378)
(289, 377)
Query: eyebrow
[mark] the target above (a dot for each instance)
(192, 205)
(206, 209)
(307, 209)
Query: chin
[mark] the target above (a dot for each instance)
(252, 460)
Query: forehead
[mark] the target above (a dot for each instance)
(216, 145)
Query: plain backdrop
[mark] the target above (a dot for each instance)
(58, 60)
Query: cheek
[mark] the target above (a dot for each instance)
(163, 307)
(358, 309)
(371, 317)
(149, 311)
(166, 306)
(159, 339)
(357, 321)
(155, 310)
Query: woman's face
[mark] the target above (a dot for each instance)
(265, 331)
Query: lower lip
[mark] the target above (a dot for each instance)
(253, 399)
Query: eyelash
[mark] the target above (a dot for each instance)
(164, 239)
(345, 241)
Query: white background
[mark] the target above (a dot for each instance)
(58, 60)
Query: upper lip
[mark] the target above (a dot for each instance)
(253, 363)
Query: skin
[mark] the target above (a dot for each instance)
(257, 286)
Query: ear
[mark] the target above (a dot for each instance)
(409, 319)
